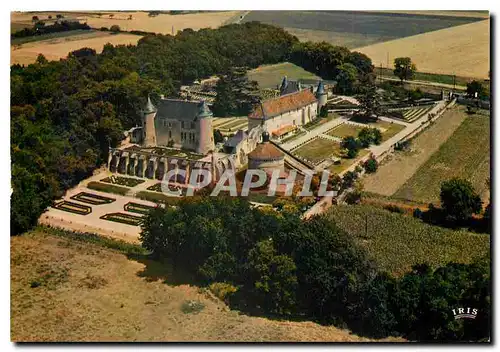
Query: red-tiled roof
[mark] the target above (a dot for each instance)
(283, 130)
(277, 106)
(265, 151)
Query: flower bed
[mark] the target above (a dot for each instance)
(123, 218)
(123, 181)
(91, 198)
(155, 188)
(137, 208)
(106, 187)
(74, 208)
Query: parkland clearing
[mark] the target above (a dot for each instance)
(105, 105)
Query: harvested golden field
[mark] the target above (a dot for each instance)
(57, 48)
(462, 50)
(163, 23)
(65, 289)
(401, 166)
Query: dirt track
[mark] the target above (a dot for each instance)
(392, 174)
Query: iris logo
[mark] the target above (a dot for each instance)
(465, 313)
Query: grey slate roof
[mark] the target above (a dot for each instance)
(288, 87)
(180, 109)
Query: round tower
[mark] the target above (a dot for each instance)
(206, 136)
(148, 125)
(321, 96)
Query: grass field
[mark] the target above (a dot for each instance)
(466, 154)
(163, 23)
(75, 288)
(355, 29)
(388, 129)
(396, 242)
(462, 50)
(59, 46)
(318, 149)
(393, 173)
(269, 76)
(346, 163)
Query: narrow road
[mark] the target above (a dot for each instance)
(424, 83)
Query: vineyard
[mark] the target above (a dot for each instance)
(397, 242)
(466, 154)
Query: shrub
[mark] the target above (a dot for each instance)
(114, 28)
(191, 306)
(370, 165)
(394, 208)
(98, 186)
(222, 290)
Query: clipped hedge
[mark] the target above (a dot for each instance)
(103, 187)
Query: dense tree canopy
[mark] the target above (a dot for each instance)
(459, 200)
(282, 265)
(404, 69)
(65, 114)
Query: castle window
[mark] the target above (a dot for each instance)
(192, 126)
(169, 134)
(182, 124)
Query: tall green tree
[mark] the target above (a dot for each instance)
(404, 68)
(236, 95)
(459, 200)
(346, 78)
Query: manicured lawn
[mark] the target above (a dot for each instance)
(137, 208)
(269, 76)
(318, 149)
(345, 130)
(389, 129)
(466, 154)
(345, 162)
(397, 242)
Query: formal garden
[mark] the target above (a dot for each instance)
(92, 199)
(137, 208)
(74, 208)
(123, 181)
(123, 218)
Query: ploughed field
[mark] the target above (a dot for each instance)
(355, 29)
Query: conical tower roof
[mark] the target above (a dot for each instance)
(149, 107)
(284, 83)
(321, 88)
(204, 110)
